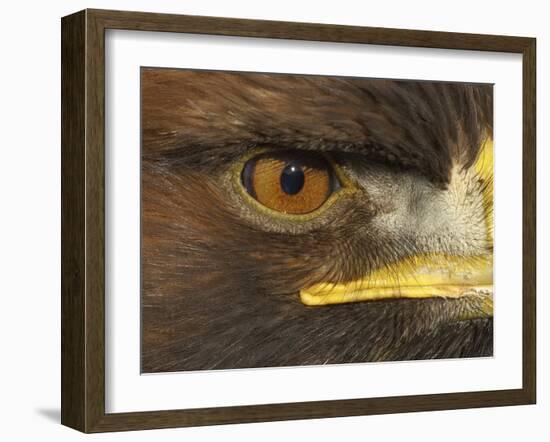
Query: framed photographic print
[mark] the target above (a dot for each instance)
(269, 220)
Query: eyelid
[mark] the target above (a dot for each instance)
(246, 174)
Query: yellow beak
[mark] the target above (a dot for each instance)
(418, 277)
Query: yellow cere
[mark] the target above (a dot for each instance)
(484, 164)
(484, 167)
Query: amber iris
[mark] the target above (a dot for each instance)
(289, 182)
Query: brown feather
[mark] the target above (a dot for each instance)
(219, 291)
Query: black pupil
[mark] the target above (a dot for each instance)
(292, 179)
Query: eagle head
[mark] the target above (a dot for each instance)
(295, 220)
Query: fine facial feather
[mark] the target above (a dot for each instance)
(220, 281)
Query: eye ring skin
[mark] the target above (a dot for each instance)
(346, 188)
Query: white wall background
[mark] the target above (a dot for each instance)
(30, 216)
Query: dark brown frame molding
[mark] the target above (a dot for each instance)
(83, 216)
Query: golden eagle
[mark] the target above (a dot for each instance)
(300, 219)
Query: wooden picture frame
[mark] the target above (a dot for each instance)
(83, 217)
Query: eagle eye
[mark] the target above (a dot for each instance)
(291, 182)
